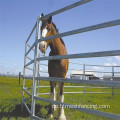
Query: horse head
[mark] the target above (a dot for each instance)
(46, 31)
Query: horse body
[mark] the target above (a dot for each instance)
(56, 68)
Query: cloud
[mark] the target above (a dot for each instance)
(114, 64)
(117, 58)
(98, 68)
(107, 64)
(110, 64)
(109, 59)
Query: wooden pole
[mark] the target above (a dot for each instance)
(19, 77)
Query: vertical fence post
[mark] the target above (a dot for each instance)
(38, 74)
(24, 76)
(19, 77)
(35, 69)
(83, 79)
(84, 71)
(112, 80)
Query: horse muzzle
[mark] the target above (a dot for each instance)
(43, 46)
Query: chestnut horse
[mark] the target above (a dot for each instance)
(56, 68)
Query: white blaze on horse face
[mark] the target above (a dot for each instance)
(44, 32)
(43, 44)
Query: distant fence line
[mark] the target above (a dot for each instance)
(13, 75)
(85, 70)
(9, 75)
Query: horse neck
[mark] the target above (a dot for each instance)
(56, 44)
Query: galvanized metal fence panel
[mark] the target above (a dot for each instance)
(70, 56)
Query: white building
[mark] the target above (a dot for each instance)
(88, 75)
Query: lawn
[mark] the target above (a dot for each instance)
(11, 93)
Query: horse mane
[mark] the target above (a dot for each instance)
(58, 32)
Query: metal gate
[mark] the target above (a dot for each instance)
(35, 79)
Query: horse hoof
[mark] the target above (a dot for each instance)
(62, 117)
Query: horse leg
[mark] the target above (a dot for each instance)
(61, 99)
(52, 97)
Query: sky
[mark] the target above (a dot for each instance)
(17, 18)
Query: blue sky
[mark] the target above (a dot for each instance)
(17, 18)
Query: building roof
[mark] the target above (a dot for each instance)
(80, 72)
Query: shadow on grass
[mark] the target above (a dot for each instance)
(16, 112)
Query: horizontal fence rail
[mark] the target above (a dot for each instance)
(87, 64)
(86, 82)
(80, 92)
(97, 71)
(79, 81)
(92, 71)
(78, 87)
(93, 65)
(85, 29)
(70, 87)
(82, 55)
(65, 9)
(103, 65)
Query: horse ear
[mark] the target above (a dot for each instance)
(49, 20)
(42, 14)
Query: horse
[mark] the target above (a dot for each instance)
(56, 68)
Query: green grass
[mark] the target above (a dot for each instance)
(11, 93)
